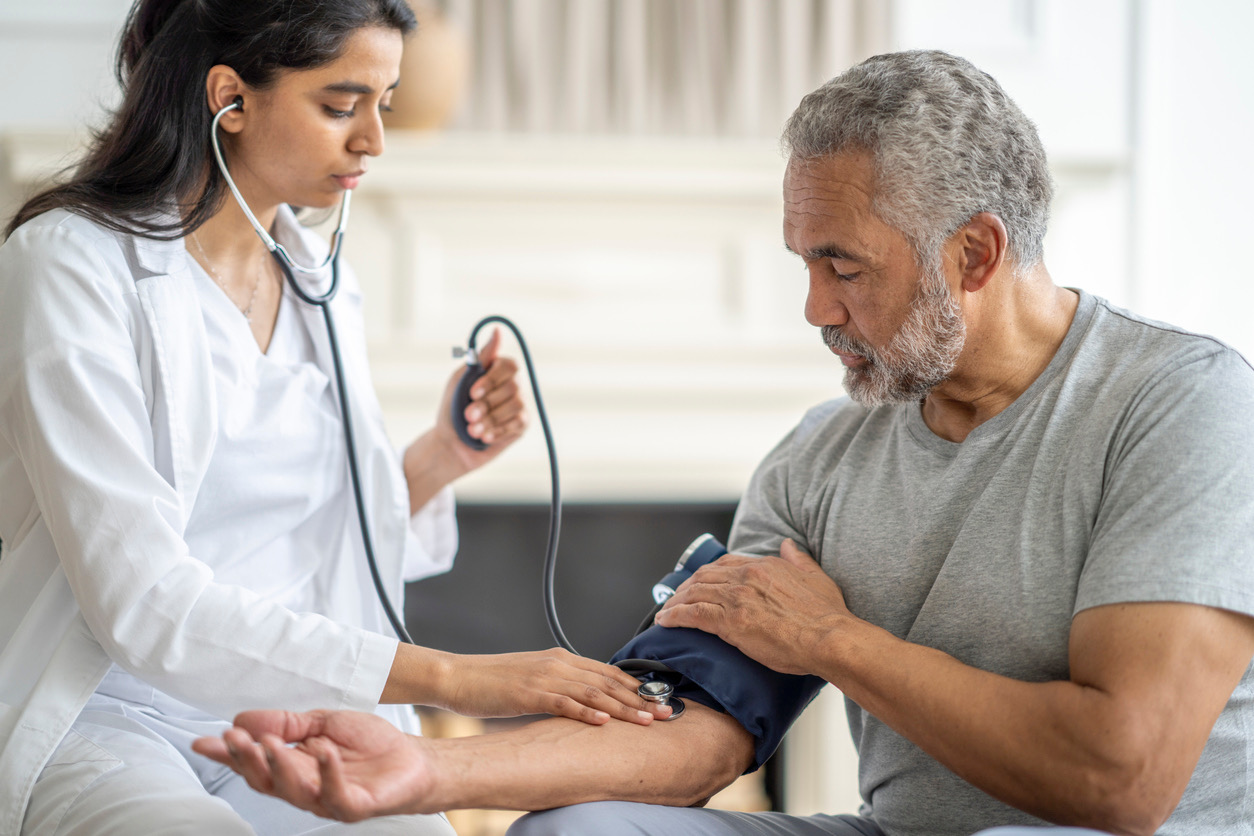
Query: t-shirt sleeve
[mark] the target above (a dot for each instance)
(1176, 521)
(765, 518)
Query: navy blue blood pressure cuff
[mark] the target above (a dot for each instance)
(719, 676)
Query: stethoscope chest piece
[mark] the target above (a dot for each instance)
(662, 693)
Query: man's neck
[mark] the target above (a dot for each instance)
(1012, 337)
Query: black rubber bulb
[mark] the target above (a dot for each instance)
(461, 400)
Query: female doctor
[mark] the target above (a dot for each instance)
(178, 528)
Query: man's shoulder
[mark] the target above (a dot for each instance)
(835, 416)
(826, 432)
(1127, 346)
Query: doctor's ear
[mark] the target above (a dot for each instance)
(224, 87)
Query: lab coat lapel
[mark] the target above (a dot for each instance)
(180, 389)
(383, 492)
(366, 434)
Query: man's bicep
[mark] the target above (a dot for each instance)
(1166, 670)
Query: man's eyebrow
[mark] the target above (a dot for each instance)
(354, 87)
(827, 251)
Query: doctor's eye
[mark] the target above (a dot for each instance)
(339, 114)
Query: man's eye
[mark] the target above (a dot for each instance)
(844, 277)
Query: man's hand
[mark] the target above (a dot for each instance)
(777, 611)
(344, 765)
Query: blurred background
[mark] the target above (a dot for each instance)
(607, 174)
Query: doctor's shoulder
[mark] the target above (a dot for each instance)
(61, 244)
(60, 269)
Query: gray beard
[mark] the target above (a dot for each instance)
(919, 357)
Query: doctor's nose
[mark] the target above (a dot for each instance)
(369, 140)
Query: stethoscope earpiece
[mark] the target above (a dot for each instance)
(276, 249)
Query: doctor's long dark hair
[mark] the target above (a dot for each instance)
(155, 150)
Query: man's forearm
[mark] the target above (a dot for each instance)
(1007, 737)
(557, 762)
(1113, 748)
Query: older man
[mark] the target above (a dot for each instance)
(1033, 525)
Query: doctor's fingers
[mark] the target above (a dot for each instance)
(497, 410)
(498, 385)
(592, 704)
(593, 692)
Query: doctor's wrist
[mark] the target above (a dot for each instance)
(429, 465)
(419, 676)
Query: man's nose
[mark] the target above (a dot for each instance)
(824, 305)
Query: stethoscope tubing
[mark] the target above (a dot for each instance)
(555, 502)
(323, 302)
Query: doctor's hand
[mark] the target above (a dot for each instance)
(776, 610)
(343, 765)
(544, 682)
(495, 416)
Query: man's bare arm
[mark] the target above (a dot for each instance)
(1112, 748)
(350, 766)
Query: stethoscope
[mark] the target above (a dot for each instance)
(322, 301)
(654, 690)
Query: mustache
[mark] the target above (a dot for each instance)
(837, 340)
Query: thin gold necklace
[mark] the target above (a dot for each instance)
(252, 300)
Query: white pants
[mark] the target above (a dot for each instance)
(127, 769)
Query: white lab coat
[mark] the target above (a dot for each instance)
(107, 423)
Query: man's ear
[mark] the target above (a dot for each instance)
(981, 250)
(222, 87)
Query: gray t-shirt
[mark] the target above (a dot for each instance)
(1124, 473)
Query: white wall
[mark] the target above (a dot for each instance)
(1195, 124)
(57, 61)
(1154, 99)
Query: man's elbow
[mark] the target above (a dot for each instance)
(713, 767)
(1132, 794)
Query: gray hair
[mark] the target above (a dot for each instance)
(948, 143)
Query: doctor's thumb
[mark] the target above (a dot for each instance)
(488, 353)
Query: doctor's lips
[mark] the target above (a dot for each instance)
(350, 180)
